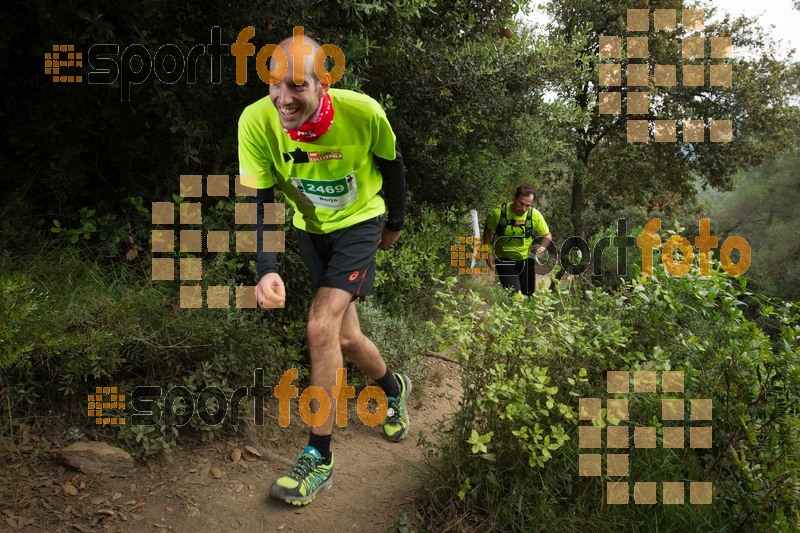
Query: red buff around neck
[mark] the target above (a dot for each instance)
(313, 128)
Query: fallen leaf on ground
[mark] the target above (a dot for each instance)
(236, 455)
(69, 489)
(49, 507)
(252, 450)
(239, 488)
(216, 472)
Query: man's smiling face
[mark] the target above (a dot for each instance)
(297, 102)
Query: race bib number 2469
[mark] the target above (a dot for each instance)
(333, 194)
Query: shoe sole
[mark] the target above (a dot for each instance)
(300, 500)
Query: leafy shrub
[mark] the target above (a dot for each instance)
(406, 273)
(401, 343)
(510, 459)
(69, 325)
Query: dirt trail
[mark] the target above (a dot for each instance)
(373, 480)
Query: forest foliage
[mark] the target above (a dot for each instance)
(480, 102)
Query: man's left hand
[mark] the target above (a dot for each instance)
(389, 237)
(538, 249)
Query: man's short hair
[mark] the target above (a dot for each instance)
(524, 190)
(315, 46)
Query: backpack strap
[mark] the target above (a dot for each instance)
(500, 230)
(529, 224)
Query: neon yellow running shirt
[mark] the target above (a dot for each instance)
(512, 244)
(332, 182)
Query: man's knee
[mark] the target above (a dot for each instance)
(325, 317)
(321, 329)
(349, 342)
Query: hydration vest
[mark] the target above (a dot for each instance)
(503, 223)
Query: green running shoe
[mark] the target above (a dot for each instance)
(396, 424)
(307, 478)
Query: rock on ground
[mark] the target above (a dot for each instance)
(97, 458)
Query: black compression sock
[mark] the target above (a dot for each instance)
(323, 445)
(389, 384)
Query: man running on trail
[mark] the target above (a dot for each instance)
(510, 230)
(331, 152)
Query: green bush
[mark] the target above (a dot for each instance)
(510, 459)
(68, 325)
(401, 343)
(407, 272)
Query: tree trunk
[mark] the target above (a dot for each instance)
(578, 181)
(579, 178)
(576, 209)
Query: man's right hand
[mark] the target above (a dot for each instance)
(270, 291)
(490, 260)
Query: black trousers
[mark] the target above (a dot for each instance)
(517, 275)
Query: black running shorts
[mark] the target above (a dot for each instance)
(343, 259)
